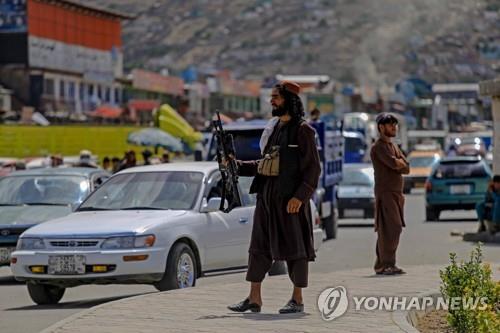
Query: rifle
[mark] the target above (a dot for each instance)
(229, 172)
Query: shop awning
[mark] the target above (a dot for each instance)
(107, 112)
(143, 104)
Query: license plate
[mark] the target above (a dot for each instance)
(5, 254)
(460, 189)
(419, 184)
(354, 212)
(71, 264)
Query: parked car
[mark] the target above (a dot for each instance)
(157, 225)
(456, 183)
(421, 163)
(356, 191)
(30, 197)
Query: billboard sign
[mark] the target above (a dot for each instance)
(52, 54)
(13, 16)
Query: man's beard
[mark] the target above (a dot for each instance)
(278, 111)
(389, 134)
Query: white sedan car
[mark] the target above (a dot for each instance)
(157, 225)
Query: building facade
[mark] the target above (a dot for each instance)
(236, 98)
(61, 56)
(145, 91)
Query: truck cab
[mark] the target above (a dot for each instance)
(355, 147)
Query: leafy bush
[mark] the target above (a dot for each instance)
(471, 279)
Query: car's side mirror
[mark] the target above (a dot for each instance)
(213, 205)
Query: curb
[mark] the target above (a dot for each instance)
(407, 320)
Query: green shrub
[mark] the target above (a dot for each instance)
(471, 279)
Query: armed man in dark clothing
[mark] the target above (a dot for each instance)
(285, 179)
(389, 165)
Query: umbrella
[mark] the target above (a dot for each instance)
(154, 137)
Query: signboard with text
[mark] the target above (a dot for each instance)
(51, 54)
(13, 16)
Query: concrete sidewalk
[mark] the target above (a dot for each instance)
(203, 309)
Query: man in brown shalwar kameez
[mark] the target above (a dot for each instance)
(282, 228)
(389, 165)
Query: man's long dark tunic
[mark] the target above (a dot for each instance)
(275, 232)
(389, 200)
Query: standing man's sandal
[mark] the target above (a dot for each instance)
(398, 270)
(245, 306)
(388, 271)
(393, 270)
(292, 307)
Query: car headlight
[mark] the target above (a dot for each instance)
(30, 244)
(128, 242)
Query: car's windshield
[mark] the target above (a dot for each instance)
(43, 190)
(461, 170)
(362, 177)
(147, 190)
(421, 161)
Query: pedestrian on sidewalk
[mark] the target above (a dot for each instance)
(146, 156)
(115, 161)
(314, 116)
(106, 163)
(56, 160)
(389, 165)
(284, 181)
(129, 160)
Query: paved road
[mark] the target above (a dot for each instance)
(421, 243)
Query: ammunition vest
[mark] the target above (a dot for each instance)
(289, 177)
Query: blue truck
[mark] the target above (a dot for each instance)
(331, 149)
(355, 147)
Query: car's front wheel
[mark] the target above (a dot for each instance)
(43, 294)
(181, 269)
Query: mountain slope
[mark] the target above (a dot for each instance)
(364, 41)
